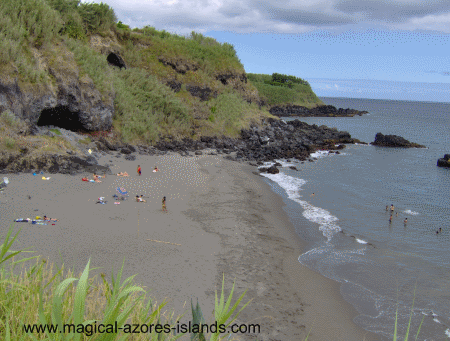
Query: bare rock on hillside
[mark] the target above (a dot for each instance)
(67, 99)
(204, 93)
(180, 65)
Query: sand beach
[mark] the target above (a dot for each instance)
(222, 219)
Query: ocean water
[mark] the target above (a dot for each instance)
(383, 266)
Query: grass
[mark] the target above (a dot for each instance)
(56, 131)
(86, 140)
(45, 294)
(296, 91)
(38, 36)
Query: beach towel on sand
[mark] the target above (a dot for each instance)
(122, 191)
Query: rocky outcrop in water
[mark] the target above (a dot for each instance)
(444, 162)
(320, 111)
(277, 139)
(394, 141)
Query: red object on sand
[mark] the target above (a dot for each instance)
(84, 179)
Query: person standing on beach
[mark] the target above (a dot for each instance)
(405, 221)
(390, 219)
(164, 204)
(139, 170)
(392, 207)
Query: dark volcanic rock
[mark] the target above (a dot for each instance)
(71, 100)
(274, 140)
(394, 141)
(130, 157)
(174, 85)
(227, 77)
(320, 111)
(270, 170)
(180, 65)
(50, 163)
(203, 93)
(444, 162)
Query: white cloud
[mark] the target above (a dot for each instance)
(438, 23)
(286, 16)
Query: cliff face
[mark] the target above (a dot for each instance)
(64, 93)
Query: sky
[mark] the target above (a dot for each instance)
(389, 49)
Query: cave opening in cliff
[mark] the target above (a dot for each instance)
(61, 117)
(115, 60)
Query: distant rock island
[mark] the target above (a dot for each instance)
(319, 111)
(394, 141)
(444, 162)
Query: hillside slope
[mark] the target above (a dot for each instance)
(278, 90)
(72, 64)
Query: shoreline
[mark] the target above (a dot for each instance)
(296, 298)
(227, 220)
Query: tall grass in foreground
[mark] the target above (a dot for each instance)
(409, 322)
(41, 295)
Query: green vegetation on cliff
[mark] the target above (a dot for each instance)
(180, 86)
(279, 89)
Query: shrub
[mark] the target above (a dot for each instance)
(122, 26)
(158, 108)
(283, 89)
(10, 143)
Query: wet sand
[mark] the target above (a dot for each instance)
(221, 219)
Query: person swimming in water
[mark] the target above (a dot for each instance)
(405, 221)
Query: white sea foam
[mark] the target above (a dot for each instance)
(320, 153)
(361, 241)
(284, 163)
(436, 320)
(447, 332)
(327, 222)
(411, 212)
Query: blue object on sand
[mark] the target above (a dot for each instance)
(34, 174)
(122, 191)
(42, 172)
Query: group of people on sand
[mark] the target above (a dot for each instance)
(96, 178)
(38, 219)
(139, 171)
(392, 209)
(140, 198)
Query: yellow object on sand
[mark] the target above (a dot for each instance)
(44, 178)
(90, 151)
(38, 217)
